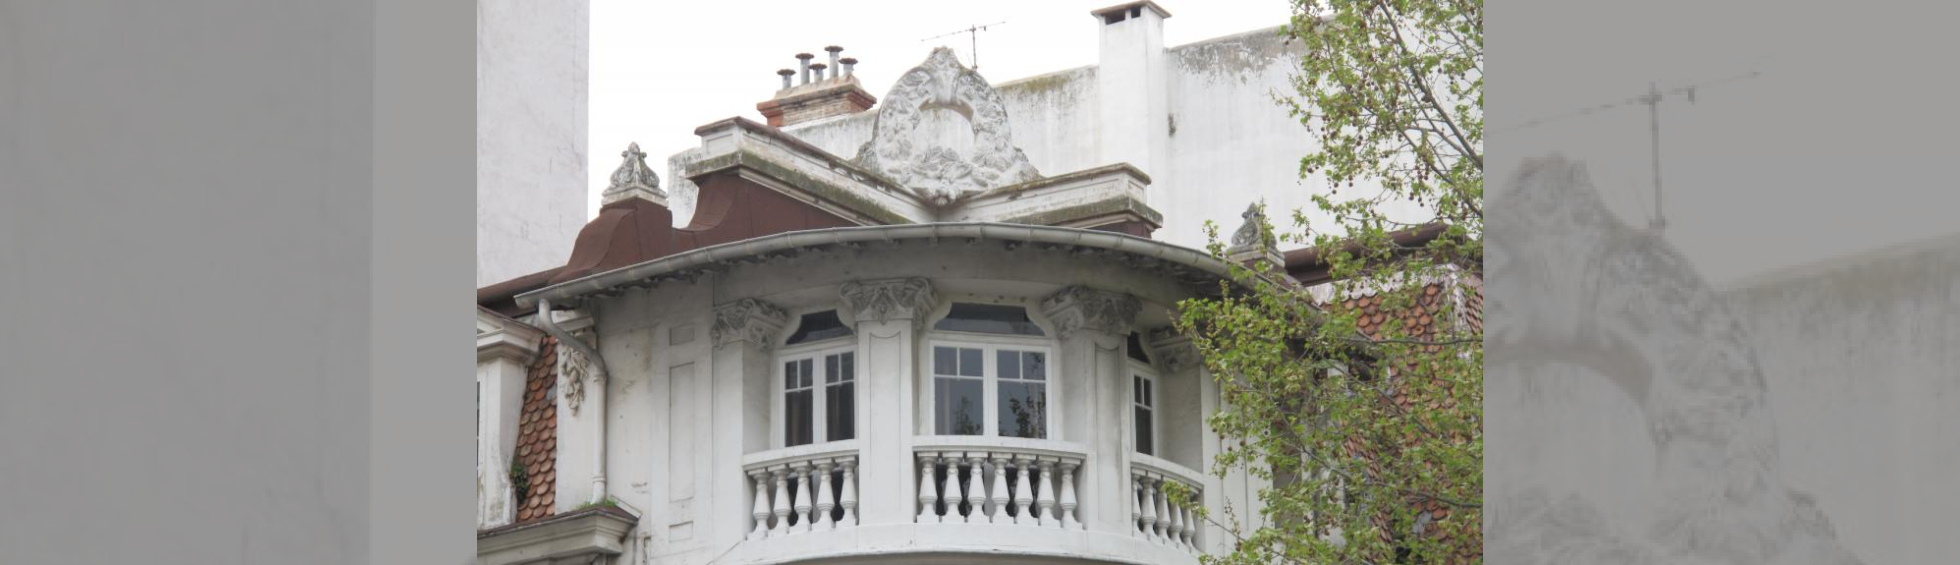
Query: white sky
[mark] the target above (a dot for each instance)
(660, 69)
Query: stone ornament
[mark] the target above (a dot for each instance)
(889, 299)
(634, 176)
(1250, 234)
(1172, 350)
(749, 320)
(943, 133)
(572, 371)
(1081, 307)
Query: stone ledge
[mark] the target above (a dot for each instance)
(580, 533)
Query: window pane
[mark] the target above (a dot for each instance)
(1136, 388)
(1009, 363)
(970, 363)
(988, 318)
(1023, 409)
(944, 361)
(1034, 366)
(1149, 395)
(958, 407)
(840, 413)
(830, 369)
(806, 372)
(789, 375)
(1145, 440)
(1135, 347)
(796, 418)
(850, 369)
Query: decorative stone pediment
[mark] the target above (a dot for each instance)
(943, 133)
(750, 320)
(889, 299)
(1080, 307)
(634, 179)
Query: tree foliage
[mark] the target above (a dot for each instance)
(1361, 402)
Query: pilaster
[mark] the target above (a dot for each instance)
(743, 335)
(888, 314)
(1093, 325)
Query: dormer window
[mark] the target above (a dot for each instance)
(818, 382)
(990, 373)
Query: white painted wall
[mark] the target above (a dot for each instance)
(531, 134)
(1860, 358)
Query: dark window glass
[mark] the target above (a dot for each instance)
(1023, 409)
(840, 413)
(1009, 363)
(1034, 366)
(958, 406)
(789, 375)
(988, 318)
(970, 363)
(1144, 426)
(818, 326)
(797, 412)
(1136, 349)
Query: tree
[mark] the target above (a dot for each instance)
(1363, 405)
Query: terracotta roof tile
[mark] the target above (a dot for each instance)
(538, 436)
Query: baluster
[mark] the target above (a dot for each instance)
(761, 511)
(1161, 518)
(1136, 509)
(850, 498)
(1045, 495)
(1149, 508)
(1068, 497)
(802, 471)
(997, 511)
(825, 500)
(781, 507)
(975, 483)
(1173, 525)
(928, 490)
(1191, 523)
(1023, 499)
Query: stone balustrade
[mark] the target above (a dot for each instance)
(799, 491)
(999, 483)
(1157, 517)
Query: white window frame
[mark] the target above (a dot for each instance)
(816, 352)
(1139, 369)
(990, 345)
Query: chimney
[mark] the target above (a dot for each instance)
(1133, 85)
(818, 97)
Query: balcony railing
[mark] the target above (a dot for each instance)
(1157, 517)
(999, 481)
(803, 489)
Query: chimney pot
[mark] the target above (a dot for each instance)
(786, 73)
(848, 63)
(803, 59)
(834, 50)
(817, 69)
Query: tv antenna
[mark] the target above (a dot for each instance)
(1652, 100)
(973, 34)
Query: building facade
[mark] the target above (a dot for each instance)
(531, 134)
(892, 329)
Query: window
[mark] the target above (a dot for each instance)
(818, 326)
(975, 385)
(1143, 405)
(819, 397)
(989, 319)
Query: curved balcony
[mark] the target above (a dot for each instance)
(998, 481)
(1157, 517)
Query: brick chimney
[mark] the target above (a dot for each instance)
(825, 90)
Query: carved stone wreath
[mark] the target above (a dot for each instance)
(902, 152)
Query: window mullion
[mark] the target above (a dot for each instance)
(989, 393)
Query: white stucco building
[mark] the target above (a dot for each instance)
(531, 133)
(932, 326)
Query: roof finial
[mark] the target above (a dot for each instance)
(1251, 245)
(634, 179)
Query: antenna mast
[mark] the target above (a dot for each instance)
(973, 33)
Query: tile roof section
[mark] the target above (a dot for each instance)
(537, 435)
